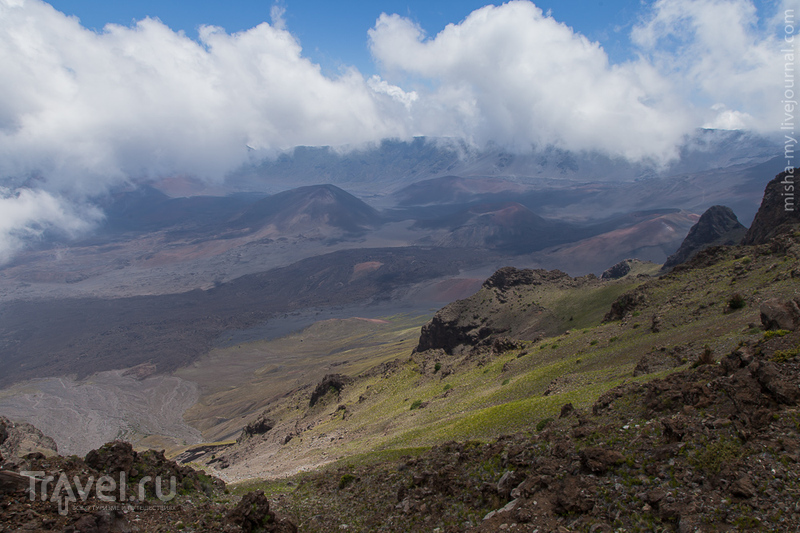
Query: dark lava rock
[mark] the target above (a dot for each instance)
(717, 226)
(114, 457)
(11, 482)
(599, 460)
(253, 514)
(625, 304)
(258, 427)
(508, 277)
(331, 381)
(779, 212)
(776, 314)
(469, 323)
(620, 270)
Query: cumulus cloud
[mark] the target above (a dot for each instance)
(78, 106)
(83, 111)
(513, 75)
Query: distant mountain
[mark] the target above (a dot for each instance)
(393, 164)
(312, 207)
(717, 226)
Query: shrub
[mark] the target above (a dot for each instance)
(506, 381)
(781, 356)
(437, 367)
(595, 341)
(416, 404)
(736, 301)
(346, 480)
(775, 333)
(448, 387)
(543, 424)
(706, 358)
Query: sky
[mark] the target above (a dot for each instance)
(97, 94)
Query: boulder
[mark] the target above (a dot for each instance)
(777, 314)
(252, 514)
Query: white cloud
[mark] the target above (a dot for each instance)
(81, 108)
(82, 111)
(513, 75)
(26, 214)
(718, 54)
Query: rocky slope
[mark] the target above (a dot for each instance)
(711, 448)
(142, 496)
(717, 226)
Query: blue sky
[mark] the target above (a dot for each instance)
(335, 33)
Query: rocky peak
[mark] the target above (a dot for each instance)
(717, 226)
(779, 211)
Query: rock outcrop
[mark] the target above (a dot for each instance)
(252, 514)
(335, 382)
(477, 320)
(777, 314)
(779, 212)
(259, 426)
(18, 439)
(717, 226)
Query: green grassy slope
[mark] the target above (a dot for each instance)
(431, 397)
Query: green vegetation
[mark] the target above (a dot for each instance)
(781, 356)
(737, 301)
(520, 390)
(346, 480)
(775, 333)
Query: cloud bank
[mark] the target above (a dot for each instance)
(81, 111)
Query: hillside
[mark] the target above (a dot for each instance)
(542, 402)
(313, 208)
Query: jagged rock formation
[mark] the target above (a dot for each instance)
(330, 382)
(717, 226)
(472, 321)
(259, 426)
(18, 439)
(779, 211)
(617, 271)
